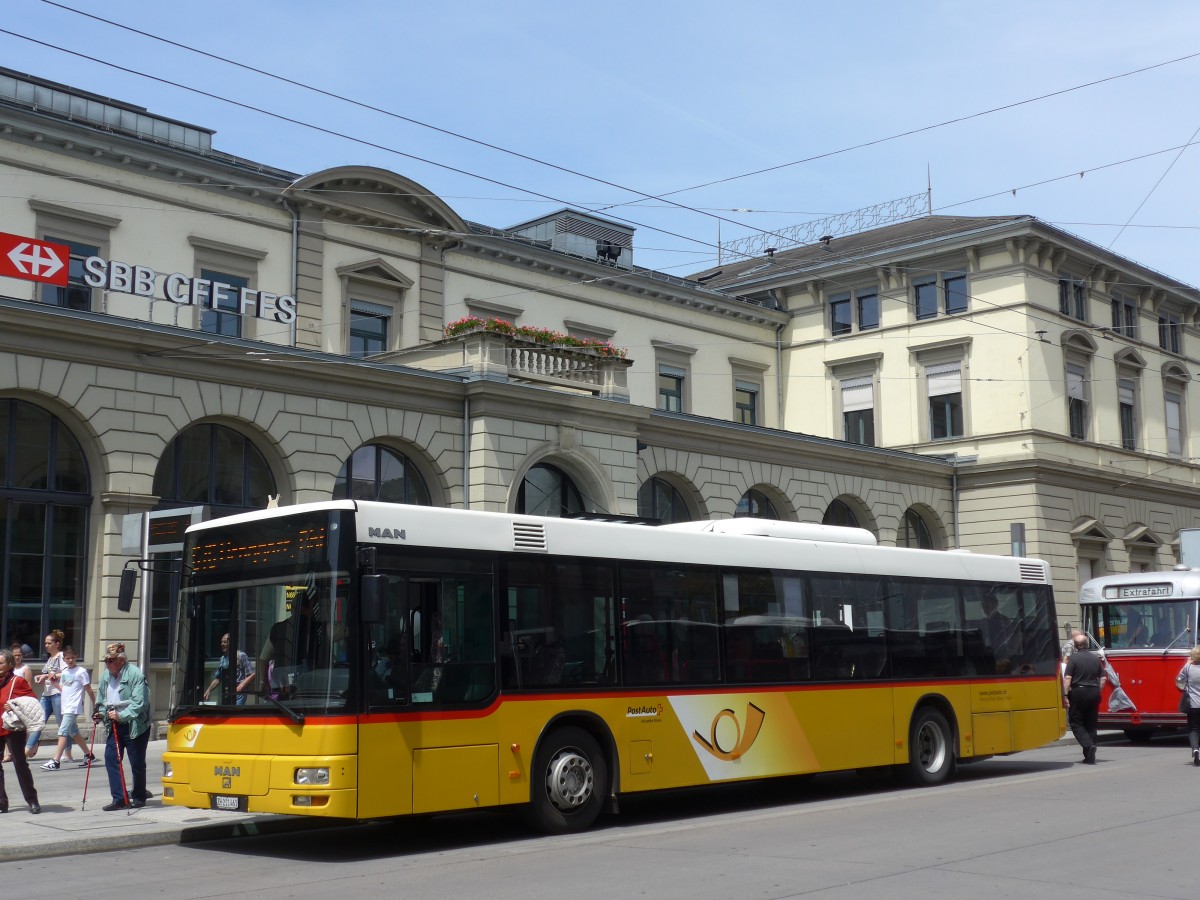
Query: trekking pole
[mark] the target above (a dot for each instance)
(121, 766)
(91, 759)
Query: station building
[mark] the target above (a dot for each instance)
(220, 335)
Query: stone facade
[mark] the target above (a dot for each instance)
(127, 374)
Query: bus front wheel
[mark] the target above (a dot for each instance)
(930, 748)
(570, 782)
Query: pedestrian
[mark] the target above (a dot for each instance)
(51, 690)
(123, 704)
(1188, 681)
(1082, 681)
(75, 682)
(20, 667)
(243, 673)
(12, 685)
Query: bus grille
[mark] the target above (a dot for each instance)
(529, 536)
(1033, 572)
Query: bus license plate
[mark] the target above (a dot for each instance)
(231, 804)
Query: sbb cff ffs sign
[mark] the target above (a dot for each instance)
(25, 258)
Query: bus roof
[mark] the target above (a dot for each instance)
(1182, 582)
(757, 544)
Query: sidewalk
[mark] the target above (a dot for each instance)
(64, 828)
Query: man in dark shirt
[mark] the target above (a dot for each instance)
(1082, 681)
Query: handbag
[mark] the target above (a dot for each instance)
(1185, 700)
(28, 712)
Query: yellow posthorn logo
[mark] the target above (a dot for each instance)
(743, 741)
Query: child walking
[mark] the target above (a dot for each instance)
(75, 682)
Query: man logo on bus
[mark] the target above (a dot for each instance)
(743, 740)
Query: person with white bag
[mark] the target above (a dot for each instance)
(12, 689)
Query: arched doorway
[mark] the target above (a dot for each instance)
(376, 472)
(659, 499)
(547, 490)
(755, 505)
(45, 494)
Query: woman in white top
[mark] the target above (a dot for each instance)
(1188, 681)
(21, 668)
(52, 670)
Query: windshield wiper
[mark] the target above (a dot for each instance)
(294, 715)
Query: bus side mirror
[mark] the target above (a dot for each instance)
(370, 597)
(125, 595)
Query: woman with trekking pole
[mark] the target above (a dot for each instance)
(123, 704)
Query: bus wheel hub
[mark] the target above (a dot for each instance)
(569, 780)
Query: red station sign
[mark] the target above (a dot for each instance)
(31, 260)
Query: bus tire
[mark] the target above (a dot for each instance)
(930, 747)
(1139, 735)
(570, 782)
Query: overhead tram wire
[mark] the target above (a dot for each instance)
(566, 170)
(403, 118)
(347, 137)
(912, 131)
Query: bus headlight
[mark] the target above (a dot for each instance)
(168, 770)
(312, 776)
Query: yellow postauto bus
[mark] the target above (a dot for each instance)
(387, 660)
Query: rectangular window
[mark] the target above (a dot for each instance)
(1168, 332)
(1072, 298)
(944, 386)
(858, 411)
(1174, 424)
(868, 311)
(669, 624)
(839, 314)
(1125, 401)
(560, 624)
(223, 315)
(1124, 317)
(368, 328)
(670, 388)
(955, 286)
(765, 631)
(1077, 403)
(76, 295)
(926, 299)
(745, 402)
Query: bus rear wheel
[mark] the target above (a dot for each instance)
(930, 747)
(570, 782)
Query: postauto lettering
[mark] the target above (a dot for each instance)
(186, 291)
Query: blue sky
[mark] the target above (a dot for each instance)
(662, 96)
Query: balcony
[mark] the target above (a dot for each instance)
(504, 357)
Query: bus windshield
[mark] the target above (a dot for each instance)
(1126, 626)
(265, 619)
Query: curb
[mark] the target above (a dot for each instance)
(158, 836)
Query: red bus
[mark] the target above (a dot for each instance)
(1145, 622)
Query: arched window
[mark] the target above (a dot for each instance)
(914, 532)
(45, 493)
(214, 466)
(548, 491)
(206, 465)
(839, 513)
(755, 505)
(375, 472)
(659, 499)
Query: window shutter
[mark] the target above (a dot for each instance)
(1125, 392)
(857, 394)
(1075, 379)
(944, 379)
(370, 309)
